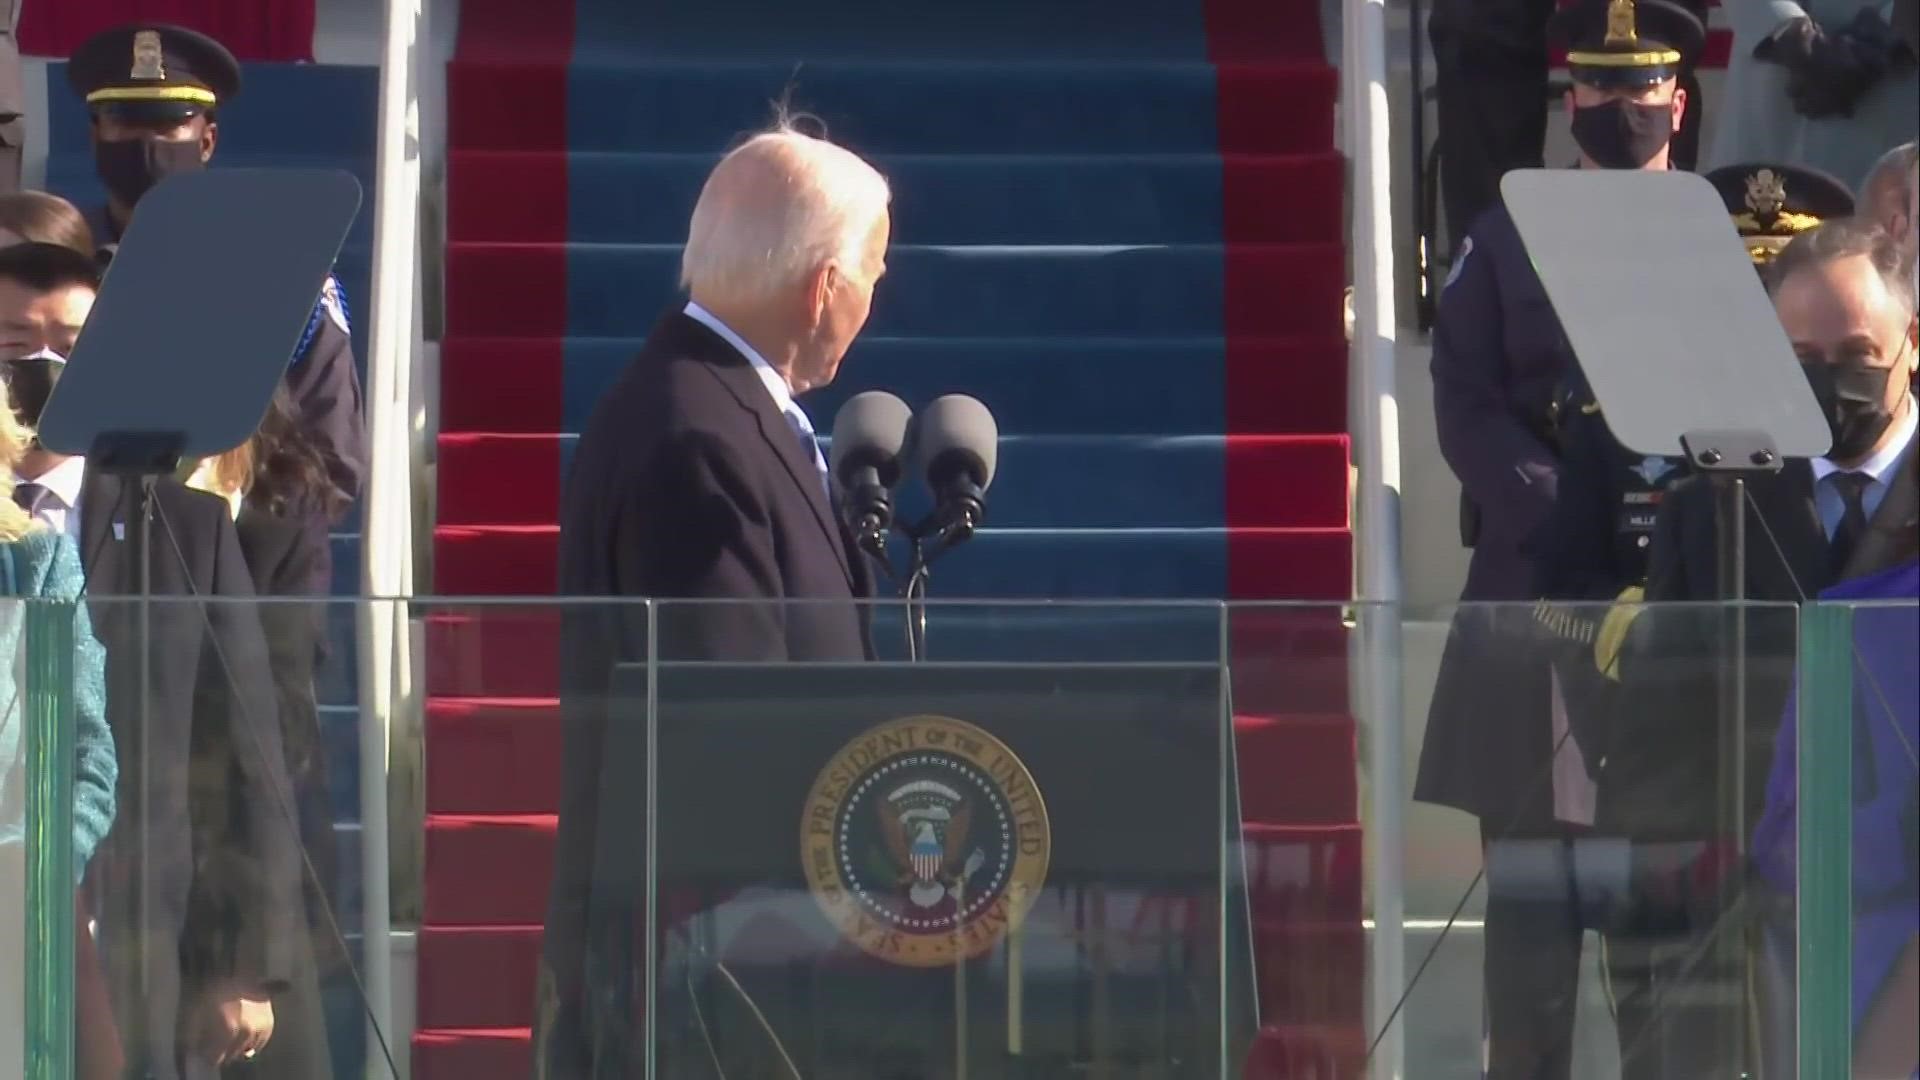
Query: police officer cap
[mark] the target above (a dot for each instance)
(151, 73)
(1627, 44)
(1771, 204)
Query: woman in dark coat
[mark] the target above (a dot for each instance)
(275, 482)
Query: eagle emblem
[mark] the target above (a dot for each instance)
(925, 825)
(149, 59)
(924, 840)
(1621, 31)
(1651, 469)
(1766, 194)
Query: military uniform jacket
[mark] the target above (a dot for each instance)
(1499, 356)
(1595, 541)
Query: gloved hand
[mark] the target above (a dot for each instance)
(1829, 72)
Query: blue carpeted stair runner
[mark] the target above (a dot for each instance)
(1118, 225)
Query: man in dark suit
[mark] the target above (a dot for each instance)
(203, 789)
(1844, 294)
(699, 478)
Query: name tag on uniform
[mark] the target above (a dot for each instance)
(119, 531)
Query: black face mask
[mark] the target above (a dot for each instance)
(1622, 134)
(30, 382)
(130, 167)
(1853, 398)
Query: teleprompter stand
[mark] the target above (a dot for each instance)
(1690, 358)
(196, 322)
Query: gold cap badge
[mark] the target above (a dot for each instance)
(149, 61)
(1766, 193)
(1621, 31)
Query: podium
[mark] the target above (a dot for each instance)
(934, 870)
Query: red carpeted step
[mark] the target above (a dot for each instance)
(1333, 1051)
(1308, 872)
(487, 869)
(494, 651)
(478, 976)
(1305, 970)
(1286, 769)
(472, 1054)
(1289, 659)
(1290, 564)
(493, 755)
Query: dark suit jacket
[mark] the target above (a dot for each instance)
(687, 483)
(282, 555)
(211, 819)
(1665, 747)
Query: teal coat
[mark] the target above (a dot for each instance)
(46, 565)
(1754, 122)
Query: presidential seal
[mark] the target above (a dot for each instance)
(924, 840)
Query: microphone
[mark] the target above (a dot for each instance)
(955, 446)
(868, 434)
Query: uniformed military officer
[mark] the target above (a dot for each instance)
(1491, 71)
(1499, 357)
(154, 93)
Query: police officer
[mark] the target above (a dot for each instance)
(1490, 59)
(1499, 358)
(154, 93)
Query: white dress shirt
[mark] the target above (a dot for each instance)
(775, 383)
(1826, 497)
(60, 509)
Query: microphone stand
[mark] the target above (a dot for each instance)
(932, 537)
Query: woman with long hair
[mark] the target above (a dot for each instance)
(275, 483)
(38, 563)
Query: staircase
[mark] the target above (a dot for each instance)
(1117, 223)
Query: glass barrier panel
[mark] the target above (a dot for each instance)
(1013, 856)
(1300, 822)
(1583, 783)
(223, 908)
(1849, 816)
(39, 831)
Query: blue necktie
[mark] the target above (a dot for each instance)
(809, 445)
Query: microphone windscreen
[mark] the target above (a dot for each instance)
(956, 428)
(869, 431)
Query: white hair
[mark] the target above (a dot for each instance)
(1889, 185)
(774, 211)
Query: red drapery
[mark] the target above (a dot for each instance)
(253, 29)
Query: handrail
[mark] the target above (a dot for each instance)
(387, 534)
(1375, 425)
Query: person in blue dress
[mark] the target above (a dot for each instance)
(1886, 783)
